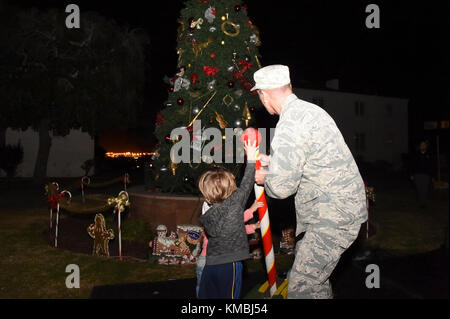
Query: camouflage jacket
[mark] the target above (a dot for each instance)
(309, 157)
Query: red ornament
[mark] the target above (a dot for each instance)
(159, 118)
(212, 55)
(237, 8)
(244, 7)
(246, 65)
(251, 135)
(230, 84)
(209, 70)
(180, 101)
(194, 78)
(171, 89)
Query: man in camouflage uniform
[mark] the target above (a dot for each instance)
(309, 157)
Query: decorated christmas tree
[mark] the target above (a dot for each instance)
(217, 56)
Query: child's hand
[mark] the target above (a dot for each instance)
(256, 226)
(251, 150)
(256, 205)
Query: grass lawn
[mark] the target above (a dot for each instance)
(403, 228)
(29, 268)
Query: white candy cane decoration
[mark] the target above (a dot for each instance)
(57, 214)
(51, 209)
(120, 202)
(85, 180)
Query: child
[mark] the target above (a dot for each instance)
(249, 229)
(227, 237)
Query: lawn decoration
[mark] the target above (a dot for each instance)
(254, 244)
(370, 196)
(287, 242)
(100, 235)
(53, 197)
(119, 203)
(182, 247)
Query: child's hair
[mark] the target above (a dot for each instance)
(216, 184)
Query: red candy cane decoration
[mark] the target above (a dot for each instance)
(57, 212)
(249, 136)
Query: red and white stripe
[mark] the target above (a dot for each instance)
(118, 222)
(266, 235)
(57, 216)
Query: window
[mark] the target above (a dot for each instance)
(359, 108)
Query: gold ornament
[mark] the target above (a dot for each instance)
(180, 29)
(183, 110)
(198, 47)
(246, 114)
(231, 34)
(203, 107)
(255, 30)
(257, 61)
(227, 100)
(119, 202)
(222, 123)
(180, 53)
(173, 167)
(194, 165)
(196, 24)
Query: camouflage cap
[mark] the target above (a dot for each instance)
(271, 77)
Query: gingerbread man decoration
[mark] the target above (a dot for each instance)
(101, 236)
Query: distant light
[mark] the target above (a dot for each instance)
(135, 155)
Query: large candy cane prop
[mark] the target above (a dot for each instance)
(120, 202)
(250, 135)
(57, 213)
(266, 236)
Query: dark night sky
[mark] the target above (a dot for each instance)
(319, 40)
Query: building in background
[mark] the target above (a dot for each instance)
(374, 127)
(67, 154)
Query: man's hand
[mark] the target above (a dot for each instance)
(260, 175)
(264, 159)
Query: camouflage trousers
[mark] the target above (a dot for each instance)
(317, 254)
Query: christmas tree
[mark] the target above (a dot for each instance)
(217, 56)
